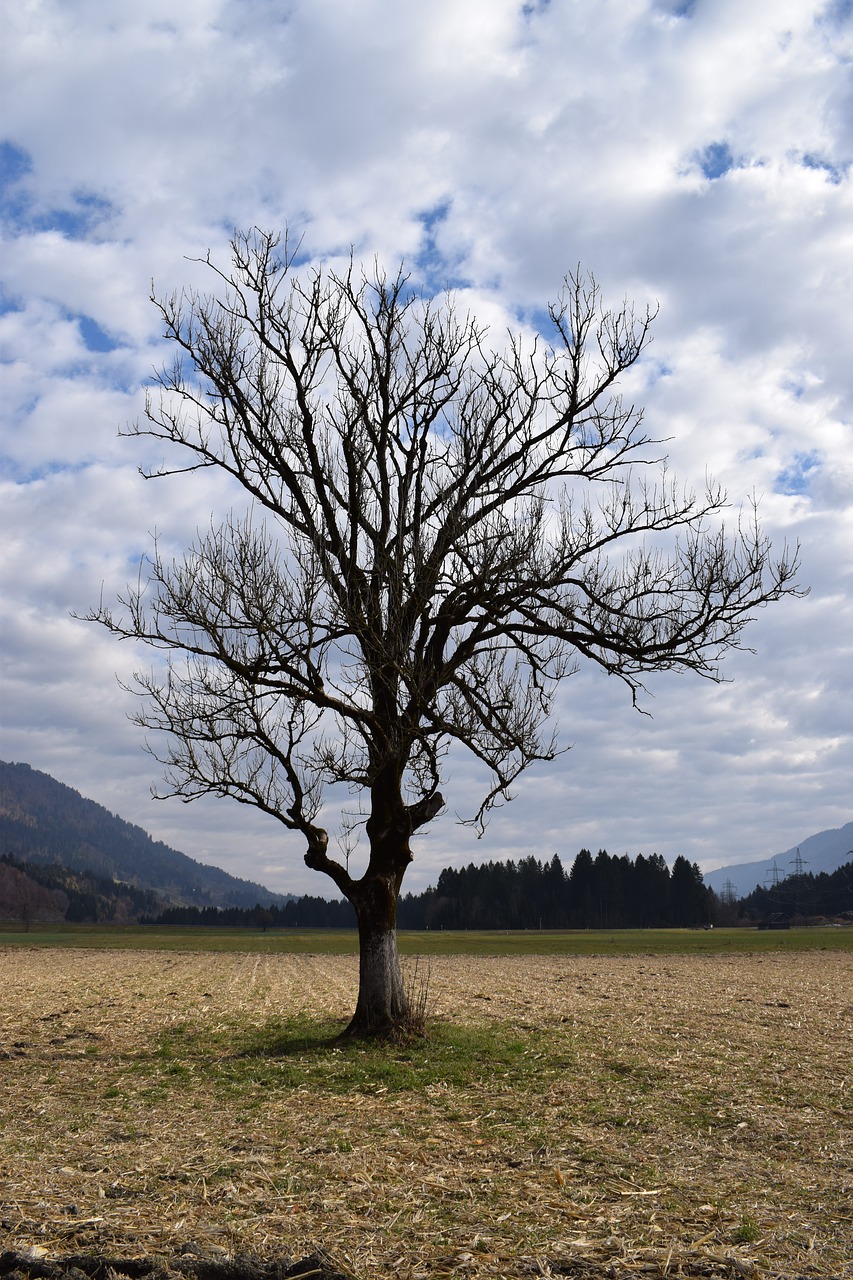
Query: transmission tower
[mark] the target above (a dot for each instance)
(798, 862)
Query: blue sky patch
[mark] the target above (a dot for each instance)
(835, 173)
(15, 163)
(530, 8)
(657, 370)
(20, 475)
(7, 302)
(836, 12)
(539, 319)
(18, 209)
(78, 221)
(95, 338)
(716, 160)
(678, 8)
(435, 272)
(796, 478)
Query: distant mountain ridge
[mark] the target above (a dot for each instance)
(825, 851)
(45, 821)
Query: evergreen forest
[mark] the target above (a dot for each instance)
(802, 897)
(601, 892)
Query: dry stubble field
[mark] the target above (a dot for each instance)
(640, 1116)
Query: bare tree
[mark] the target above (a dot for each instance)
(438, 533)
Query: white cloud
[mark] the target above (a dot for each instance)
(696, 154)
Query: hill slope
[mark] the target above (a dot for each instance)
(43, 821)
(825, 851)
(47, 892)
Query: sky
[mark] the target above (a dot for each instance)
(695, 155)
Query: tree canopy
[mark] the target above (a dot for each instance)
(438, 532)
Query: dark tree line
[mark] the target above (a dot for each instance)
(801, 897)
(604, 892)
(308, 912)
(598, 893)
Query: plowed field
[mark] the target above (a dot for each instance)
(645, 1116)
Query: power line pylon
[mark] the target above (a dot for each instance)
(798, 862)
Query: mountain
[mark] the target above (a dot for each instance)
(43, 821)
(822, 852)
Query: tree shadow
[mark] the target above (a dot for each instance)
(295, 1040)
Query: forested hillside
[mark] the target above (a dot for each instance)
(47, 892)
(43, 821)
(830, 893)
(823, 851)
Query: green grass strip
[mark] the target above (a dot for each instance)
(604, 942)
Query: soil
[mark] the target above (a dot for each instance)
(191, 1265)
(694, 1122)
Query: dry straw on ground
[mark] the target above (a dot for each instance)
(645, 1117)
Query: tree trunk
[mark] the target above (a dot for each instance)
(383, 1005)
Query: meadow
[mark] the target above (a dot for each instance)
(620, 942)
(652, 1106)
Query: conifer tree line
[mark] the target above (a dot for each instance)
(601, 892)
(604, 892)
(802, 896)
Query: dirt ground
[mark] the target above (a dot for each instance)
(678, 1116)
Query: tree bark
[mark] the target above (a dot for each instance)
(383, 1005)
